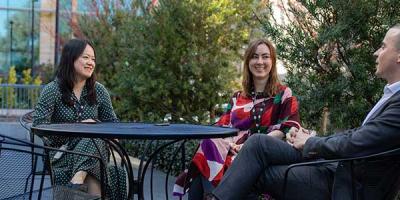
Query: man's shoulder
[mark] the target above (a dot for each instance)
(394, 100)
(396, 95)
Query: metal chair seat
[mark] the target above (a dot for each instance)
(24, 173)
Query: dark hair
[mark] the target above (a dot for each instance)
(65, 74)
(271, 88)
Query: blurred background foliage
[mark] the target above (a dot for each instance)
(177, 61)
(181, 60)
(327, 48)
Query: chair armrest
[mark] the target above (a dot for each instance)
(395, 151)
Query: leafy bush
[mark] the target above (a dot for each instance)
(327, 47)
(175, 61)
(178, 58)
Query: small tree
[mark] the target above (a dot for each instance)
(327, 47)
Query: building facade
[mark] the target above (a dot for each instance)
(29, 28)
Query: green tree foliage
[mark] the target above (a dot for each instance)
(327, 46)
(177, 58)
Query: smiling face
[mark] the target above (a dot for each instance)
(260, 63)
(388, 57)
(85, 64)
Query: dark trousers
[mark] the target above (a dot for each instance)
(260, 167)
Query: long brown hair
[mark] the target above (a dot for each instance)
(273, 83)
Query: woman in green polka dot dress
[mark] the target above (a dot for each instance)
(75, 96)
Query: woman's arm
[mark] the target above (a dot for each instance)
(45, 106)
(288, 115)
(225, 119)
(106, 112)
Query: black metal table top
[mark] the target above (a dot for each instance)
(134, 130)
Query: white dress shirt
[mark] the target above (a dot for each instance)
(388, 92)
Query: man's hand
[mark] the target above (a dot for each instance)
(300, 137)
(290, 135)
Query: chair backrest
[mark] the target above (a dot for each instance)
(382, 175)
(26, 120)
(396, 190)
(18, 167)
(379, 174)
(394, 187)
(23, 172)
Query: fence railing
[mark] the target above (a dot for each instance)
(19, 96)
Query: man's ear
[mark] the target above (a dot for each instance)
(398, 58)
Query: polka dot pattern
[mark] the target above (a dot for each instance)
(51, 109)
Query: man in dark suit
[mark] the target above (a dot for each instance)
(261, 163)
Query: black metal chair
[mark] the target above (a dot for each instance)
(393, 188)
(26, 121)
(22, 172)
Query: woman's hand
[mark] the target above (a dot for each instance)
(235, 148)
(88, 121)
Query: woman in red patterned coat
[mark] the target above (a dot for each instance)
(264, 106)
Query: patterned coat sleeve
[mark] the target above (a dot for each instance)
(106, 112)
(225, 119)
(289, 112)
(45, 107)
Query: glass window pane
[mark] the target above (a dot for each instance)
(20, 4)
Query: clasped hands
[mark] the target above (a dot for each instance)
(235, 148)
(298, 137)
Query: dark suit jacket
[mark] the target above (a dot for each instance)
(373, 177)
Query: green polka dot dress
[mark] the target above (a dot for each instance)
(51, 109)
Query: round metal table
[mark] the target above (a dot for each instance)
(147, 131)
